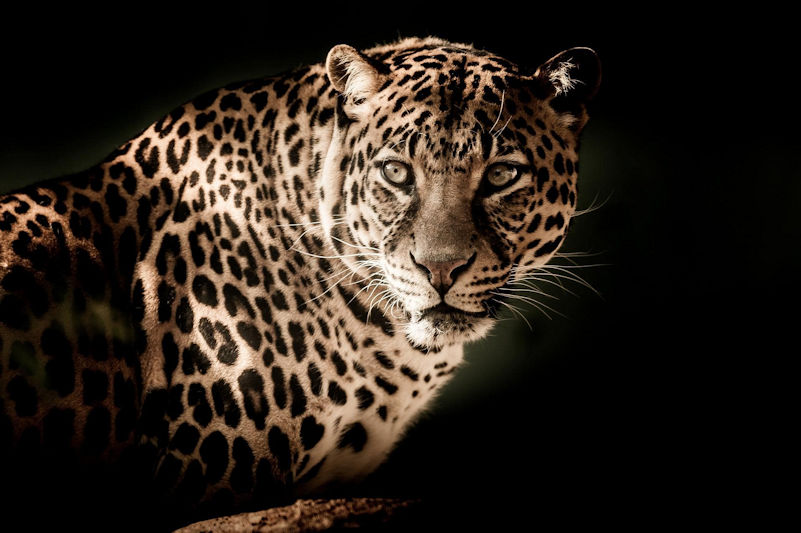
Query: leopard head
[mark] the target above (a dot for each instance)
(450, 172)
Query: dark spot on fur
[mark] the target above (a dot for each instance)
(214, 453)
(353, 436)
(175, 401)
(298, 340)
(251, 385)
(386, 385)
(279, 386)
(194, 358)
(224, 403)
(315, 379)
(535, 223)
(185, 439)
(310, 432)
(235, 300)
(202, 409)
(383, 360)
(184, 316)
(206, 329)
(365, 397)
(204, 290)
(336, 393)
(242, 473)
(204, 147)
(230, 101)
(409, 373)
(298, 406)
(117, 205)
(279, 447)
(250, 334)
(228, 352)
(166, 297)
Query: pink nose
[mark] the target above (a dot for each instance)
(442, 274)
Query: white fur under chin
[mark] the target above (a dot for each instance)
(423, 333)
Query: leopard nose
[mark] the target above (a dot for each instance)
(442, 274)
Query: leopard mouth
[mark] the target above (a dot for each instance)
(444, 324)
(443, 312)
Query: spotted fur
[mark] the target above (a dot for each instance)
(240, 294)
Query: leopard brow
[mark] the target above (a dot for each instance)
(396, 146)
(402, 144)
(388, 151)
(518, 157)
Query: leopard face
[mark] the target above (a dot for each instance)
(451, 173)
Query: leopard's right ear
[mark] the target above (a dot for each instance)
(355, 77)
(567, 82)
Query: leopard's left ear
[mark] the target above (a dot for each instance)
(354, 76)
(568, 81)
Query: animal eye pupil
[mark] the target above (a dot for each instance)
(501, 174)
(396, 172)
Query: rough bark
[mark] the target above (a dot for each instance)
(314, 515)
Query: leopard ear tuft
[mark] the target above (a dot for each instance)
(568, 81)
(352, 74)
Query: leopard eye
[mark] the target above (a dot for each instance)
(396, 173)
(501, 175)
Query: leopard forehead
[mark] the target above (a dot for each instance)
(455, 92)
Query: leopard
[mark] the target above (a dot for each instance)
(252, 300)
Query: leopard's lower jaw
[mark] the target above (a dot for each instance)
(435, 331)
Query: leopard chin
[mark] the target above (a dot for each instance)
(443, 325)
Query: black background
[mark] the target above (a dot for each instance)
(666, 396)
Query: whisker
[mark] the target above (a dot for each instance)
(527, 282)
(572, 256)
(592, 206)
(517, 312)
(500, 111)
(339, 218)
(529, 289)
(346, 243)
(329, 289)
(296, 241)
(370, 276)
(341, 256)
(366, 287)
(577, 254)
(338, 273)
(553, 266)
(574, 276)
(499, 132)
(371, 297)
(535, 303)
(315, 226)
(569, 276)
(370, 307)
